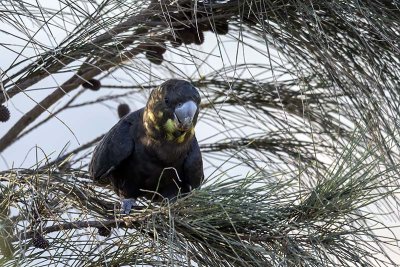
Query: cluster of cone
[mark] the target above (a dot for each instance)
(94, 84)
(192, 33)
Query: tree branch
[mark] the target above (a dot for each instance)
(124, 222)
(73, 152)
(74, 82)
(35, 112)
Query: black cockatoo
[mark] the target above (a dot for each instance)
(153, 149)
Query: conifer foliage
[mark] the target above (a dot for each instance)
(298, 130)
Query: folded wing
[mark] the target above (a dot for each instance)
(115, 147)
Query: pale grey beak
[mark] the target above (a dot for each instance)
(184, 114)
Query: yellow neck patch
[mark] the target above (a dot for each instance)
(181, 138)
(150, 115)
(169, 126)
(171, 132)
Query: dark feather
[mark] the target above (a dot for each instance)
(140, 156)
(193, 166)
(115, 147)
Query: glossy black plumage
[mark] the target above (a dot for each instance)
(148, 151)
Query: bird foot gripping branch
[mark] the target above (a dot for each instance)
(153, 152)
(127, 204)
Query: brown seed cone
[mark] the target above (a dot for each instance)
(123, 109)
(92, 84)
(187, 9)
(177, 42)
(104, 231)
(39, 241)
(160, 48)
(4, 113)
(141, 30)
(250, 20)
(154, 57)
(186, 35)
(204, 26)
(199, 37)
(221, 27)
